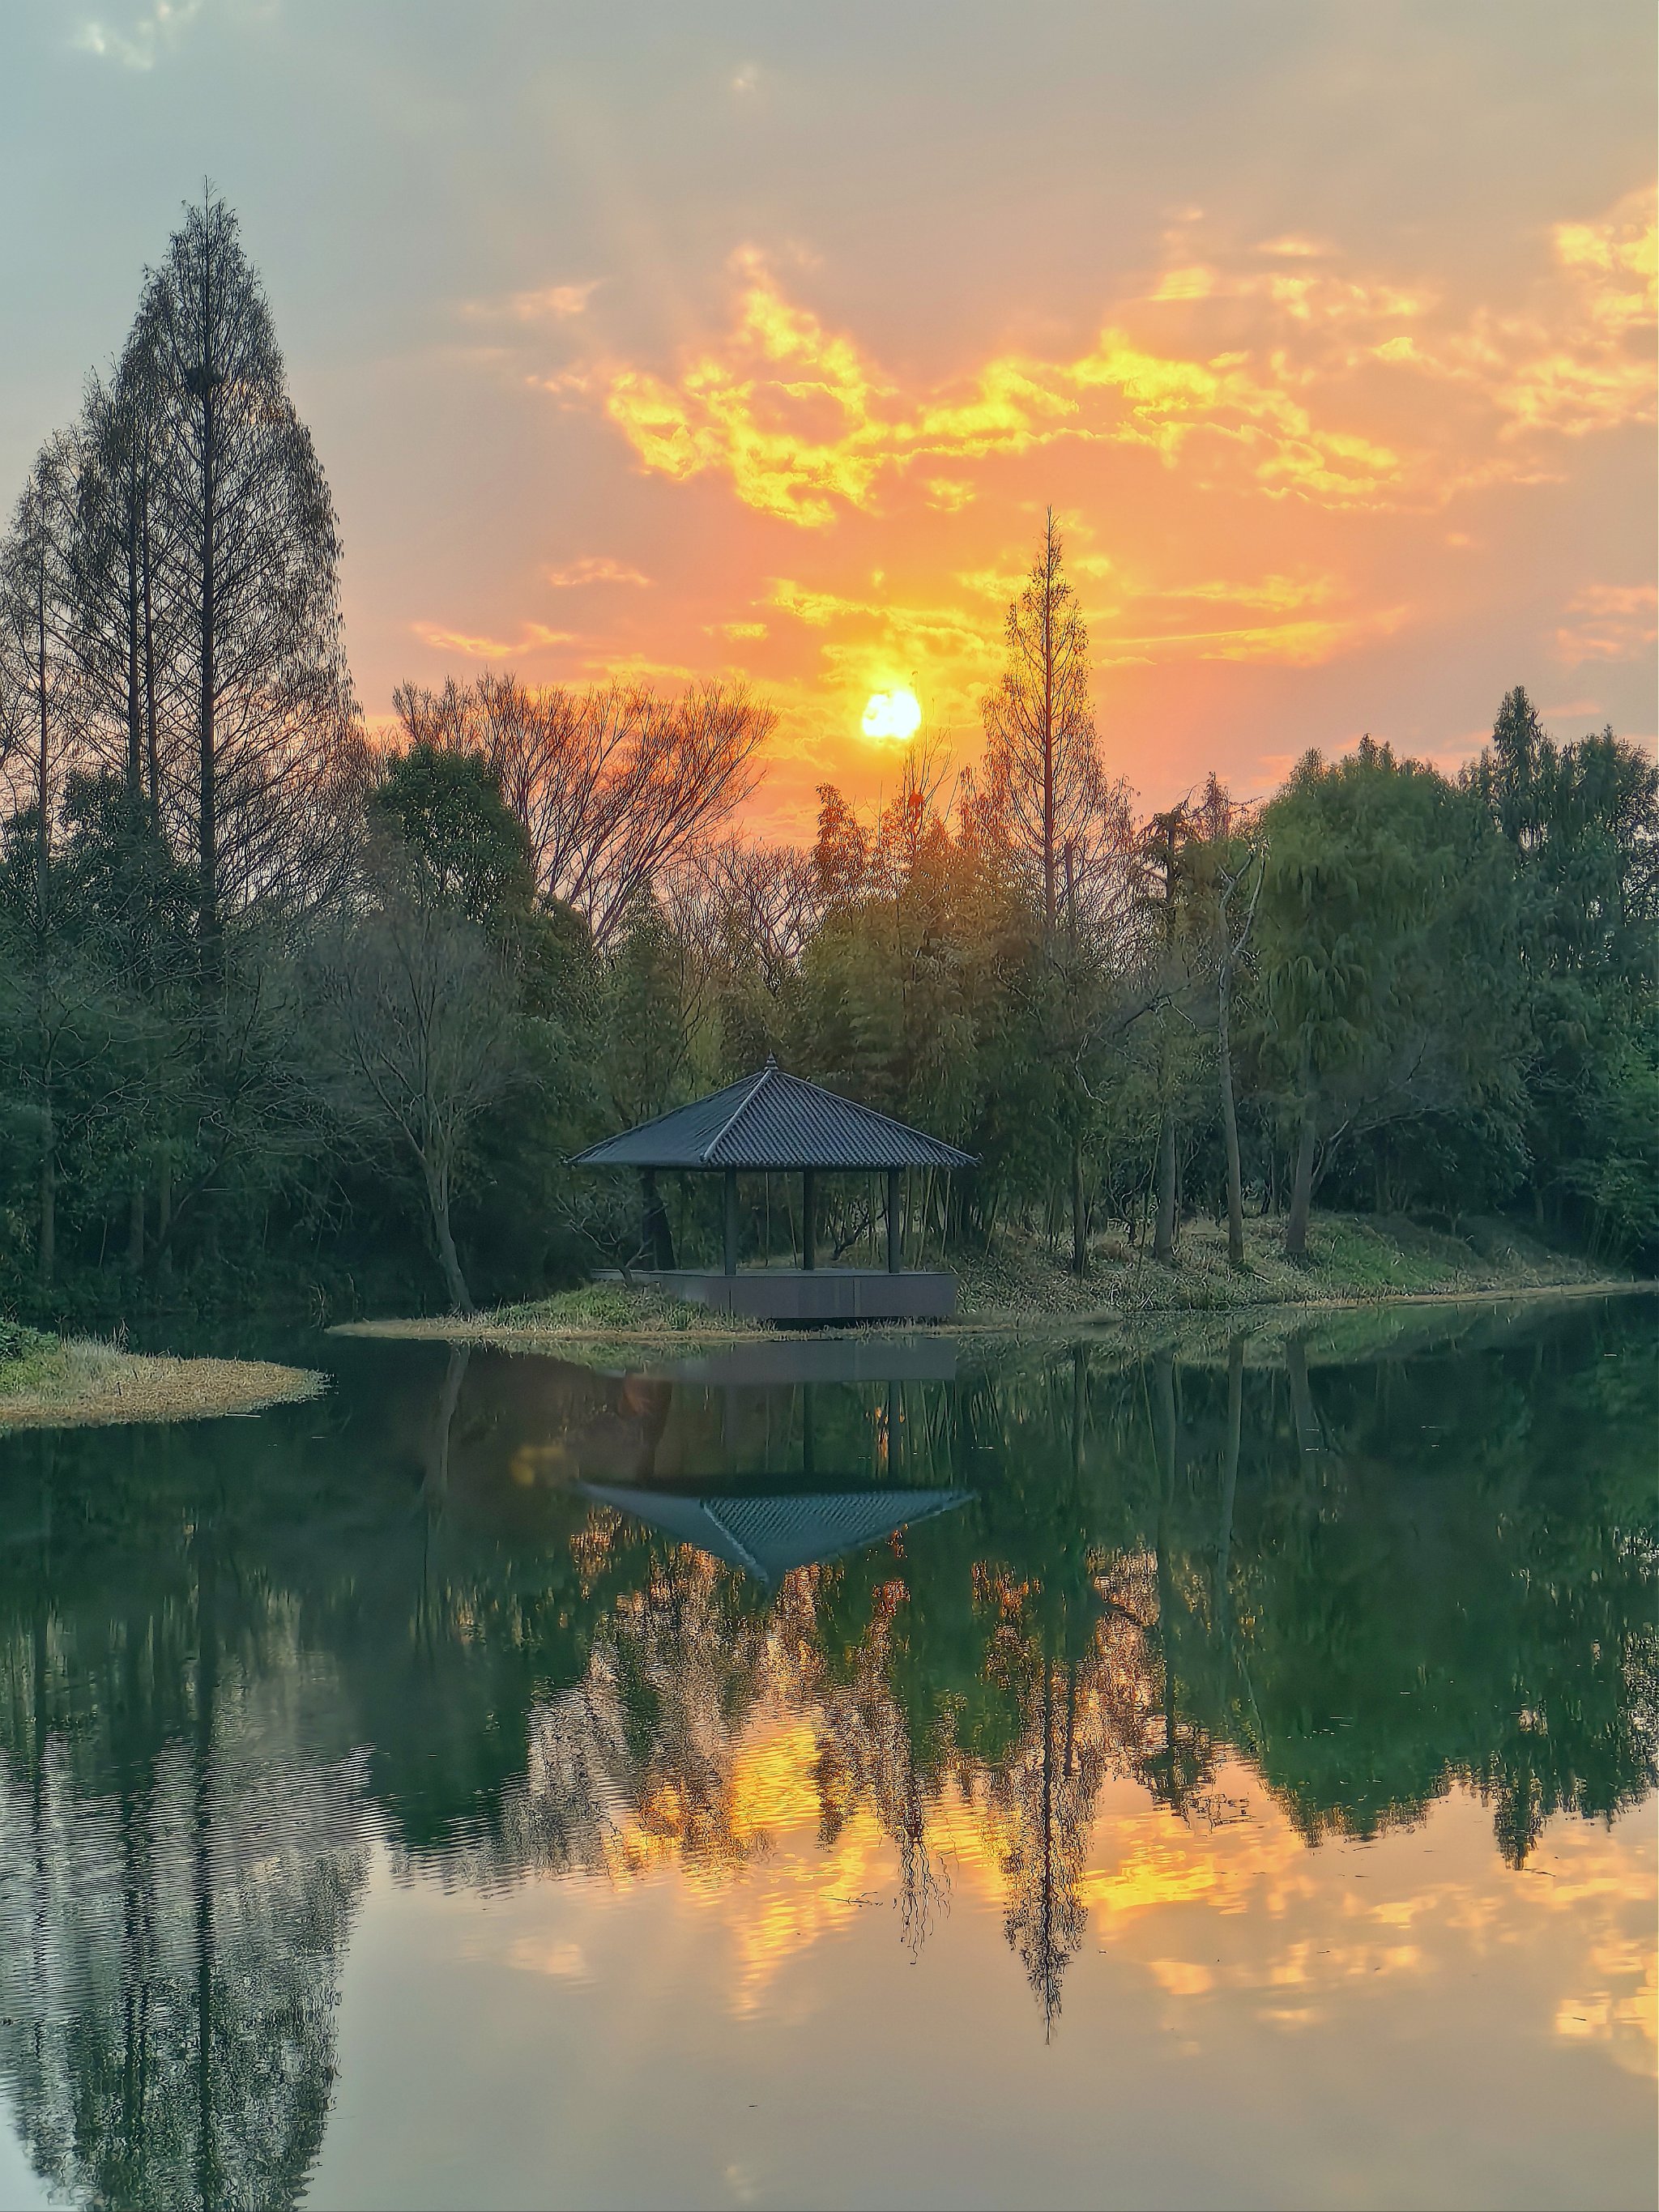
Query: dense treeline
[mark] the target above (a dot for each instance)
(282, 1007)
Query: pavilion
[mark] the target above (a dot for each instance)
(772, 1124)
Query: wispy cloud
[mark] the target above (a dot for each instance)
(1608, 621)
(533, 637)
(547, 303)
(594, 569)
(138, 43)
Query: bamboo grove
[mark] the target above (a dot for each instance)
(291, 1009)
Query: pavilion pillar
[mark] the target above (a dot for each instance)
(895, 1241)
(809, 1226)
(730, 1240)
(655, 1234)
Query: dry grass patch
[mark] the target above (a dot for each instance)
(50, 1382)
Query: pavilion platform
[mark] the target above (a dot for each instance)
(769, 1123)
(810, 1296)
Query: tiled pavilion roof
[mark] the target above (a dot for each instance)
(771, 1119)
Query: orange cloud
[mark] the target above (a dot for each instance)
(805, 425)
(1615, 621)
(534, 637)
(1291, 644)
(801, 423)
(1585, 364)
(954, 651)
(1617, 260)
(594, 569)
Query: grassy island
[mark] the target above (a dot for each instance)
(49, 1382)
(1352, 1262)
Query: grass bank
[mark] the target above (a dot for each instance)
(51, 1382)
(597, 1313)
(1353, 1262)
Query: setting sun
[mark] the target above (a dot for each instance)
(895, 715)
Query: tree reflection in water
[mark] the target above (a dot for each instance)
(179, 1874)
(234, 1661)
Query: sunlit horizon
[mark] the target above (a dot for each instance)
(720, 363)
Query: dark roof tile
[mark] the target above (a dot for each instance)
(771, 1119)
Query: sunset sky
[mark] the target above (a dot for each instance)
(672, 341)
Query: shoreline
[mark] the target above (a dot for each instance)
(1244, 1317)
(83, 1384)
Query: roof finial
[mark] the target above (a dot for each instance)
(771, 1059)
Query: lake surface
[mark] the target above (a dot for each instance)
(876, 1773)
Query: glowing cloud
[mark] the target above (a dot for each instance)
(801, 423)
(805, 425)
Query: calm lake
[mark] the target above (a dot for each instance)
(875, 1772)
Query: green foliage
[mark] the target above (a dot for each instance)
(1582, 821)
(439, 816)
(1384, 925)
(600, 1310)
(646, 1017)
(20, 1345)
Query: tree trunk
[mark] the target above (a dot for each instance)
(135, 702)
(1079, 1213)
(42, 776)
(207, 825)
(152, 755)
(437, 1191)
(1230, 1117)
(48, 1253)
(136, 1228)
(207, 828)
(1296, 1224)
(1163, 1235)
(164, 1212)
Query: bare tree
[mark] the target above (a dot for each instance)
(759, 904)
(38, 707)
(121, 633)
(37, 689)
(253, 553)
(1042, 772)
(614, 787)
